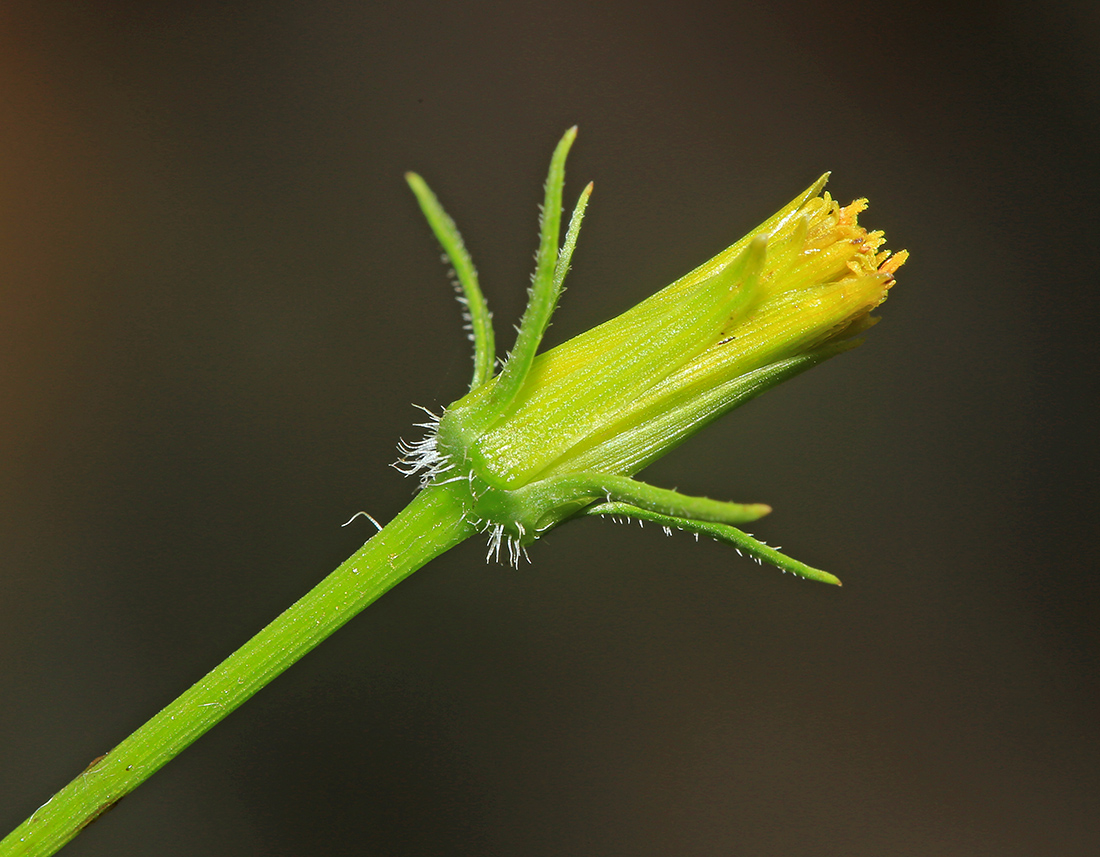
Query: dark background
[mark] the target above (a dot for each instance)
(218, 301)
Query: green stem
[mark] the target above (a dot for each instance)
(431, 524)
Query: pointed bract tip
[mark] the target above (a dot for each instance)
(816, 574)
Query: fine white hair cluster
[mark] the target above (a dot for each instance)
(498, 537)
(422, 458)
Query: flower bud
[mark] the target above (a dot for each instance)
(621, 395)
(560, 434)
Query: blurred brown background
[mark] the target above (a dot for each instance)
(218, 301)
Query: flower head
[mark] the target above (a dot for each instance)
(560, 434)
